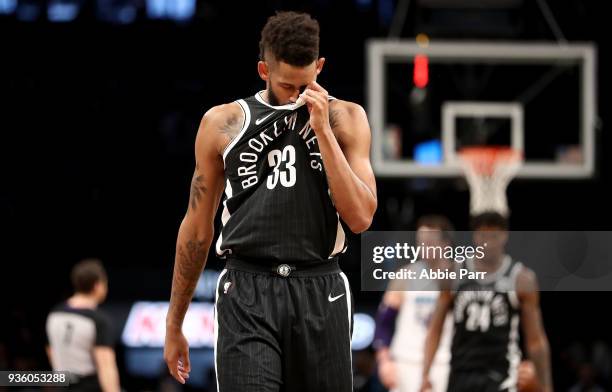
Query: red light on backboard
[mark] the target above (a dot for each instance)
(421, 70)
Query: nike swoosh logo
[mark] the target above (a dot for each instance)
(260, 120)
(332, 299)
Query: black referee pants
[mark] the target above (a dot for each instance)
(278, 333)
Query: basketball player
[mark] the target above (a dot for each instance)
(79, 335)
(485, 355)
(294, 163)
(403, 317)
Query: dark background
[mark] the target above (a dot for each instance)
(98, 121)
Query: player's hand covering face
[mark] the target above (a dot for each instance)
(317, 99)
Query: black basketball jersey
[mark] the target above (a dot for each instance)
(486, 318)
(277, 204)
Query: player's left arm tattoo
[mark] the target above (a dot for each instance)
(334, 117)
(334, 114)
(334, 121)
(346, 157)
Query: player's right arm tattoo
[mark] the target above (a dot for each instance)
(232, 126)
(198, 189)
(196, 230)
(190, 258)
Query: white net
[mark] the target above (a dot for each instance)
(488, 171)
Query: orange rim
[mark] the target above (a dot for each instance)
(483, 160)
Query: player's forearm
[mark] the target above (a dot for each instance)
(352, 198)
(431, 346)
(539, 353)
(432, 341)
(383, 354)
(191, 252)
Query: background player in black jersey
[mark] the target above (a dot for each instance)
(294, 176)
(484, 353)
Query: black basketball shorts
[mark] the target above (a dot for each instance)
(283, 328)
(485, 380)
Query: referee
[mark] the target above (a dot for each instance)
(79, 335)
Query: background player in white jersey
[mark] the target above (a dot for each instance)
(485, 353)
(404, 315)
(295, 176)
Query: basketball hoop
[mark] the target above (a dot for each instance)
(488, 171)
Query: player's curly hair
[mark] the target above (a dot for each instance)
(291, 37)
